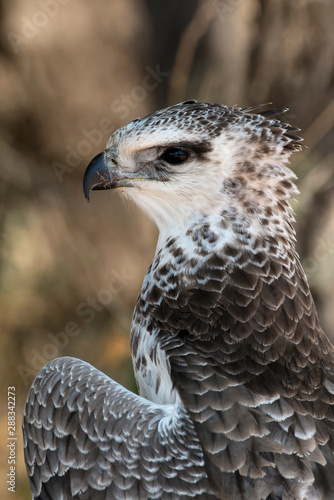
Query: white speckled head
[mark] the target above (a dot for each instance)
(234, 159)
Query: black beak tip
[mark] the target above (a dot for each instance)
(96, 176)
(87, 185)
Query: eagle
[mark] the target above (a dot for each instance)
(234, 373)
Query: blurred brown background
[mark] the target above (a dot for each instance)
(71, 72)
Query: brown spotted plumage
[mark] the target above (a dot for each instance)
(234, 372)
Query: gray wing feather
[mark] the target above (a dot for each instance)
(85, 436)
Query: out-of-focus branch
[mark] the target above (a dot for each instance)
(317, 131)
(186, 50)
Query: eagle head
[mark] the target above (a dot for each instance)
(198, 159)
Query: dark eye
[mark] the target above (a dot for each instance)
(174, 156)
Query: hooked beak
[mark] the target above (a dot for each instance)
(102, 175)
